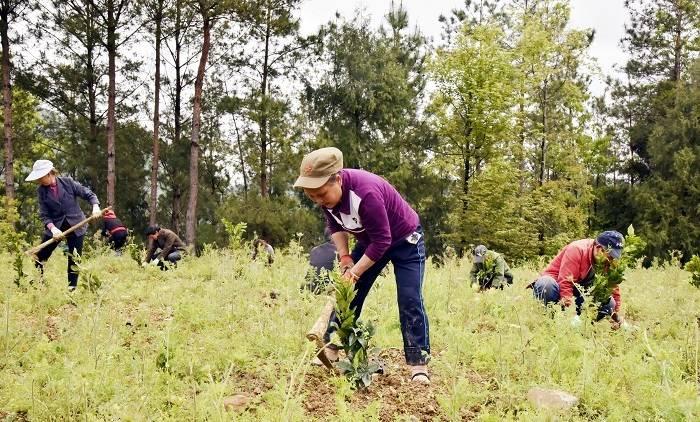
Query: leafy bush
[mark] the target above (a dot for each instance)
(693, 267)
(88, 276)
(135, 251)
(355, 337)
(609, 275)
(235, 233)
(487, 271)
(12, 240)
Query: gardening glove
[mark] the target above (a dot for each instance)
(346, 263)
(57, 234)
(576, 321)
(154, 261)
(96, 212)
(626, 326)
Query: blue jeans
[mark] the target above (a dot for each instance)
(409, 268)
(546, 289)
(172, 257)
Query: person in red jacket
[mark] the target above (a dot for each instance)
(573, 269)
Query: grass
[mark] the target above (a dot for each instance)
(152, 345)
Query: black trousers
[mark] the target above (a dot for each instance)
(75, 245)
(118, 239)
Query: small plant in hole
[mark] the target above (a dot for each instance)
(134, 250)
(355, 337)
(90, 278)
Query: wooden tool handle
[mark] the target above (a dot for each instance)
(36, 249)
(318, 330)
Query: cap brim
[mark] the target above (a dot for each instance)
(615, 253)
(310, 182)
(37, 174)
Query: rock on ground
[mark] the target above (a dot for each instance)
(553, 399)
(237, 402)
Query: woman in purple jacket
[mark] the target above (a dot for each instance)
(387, 230)
(59, 210)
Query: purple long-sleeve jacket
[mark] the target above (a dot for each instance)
(373, 211)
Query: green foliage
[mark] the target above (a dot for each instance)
(106, 359)
(235, 233)
(609, 274)
(88, 275)
(494, 213)
(276, 220)
(135, 251)
(12, 240)
(355, 337)
(487, 271)
(693, 267)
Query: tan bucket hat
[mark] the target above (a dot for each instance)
(317, 166)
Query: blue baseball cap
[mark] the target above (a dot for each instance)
(613, 242)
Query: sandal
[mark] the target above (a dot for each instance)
(420, 378)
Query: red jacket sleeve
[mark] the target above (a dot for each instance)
(617, 297)
(568, 273)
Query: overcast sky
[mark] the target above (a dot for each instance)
(607, 17)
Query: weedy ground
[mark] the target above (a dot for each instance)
(152, 345)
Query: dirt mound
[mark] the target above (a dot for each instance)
(393, 390)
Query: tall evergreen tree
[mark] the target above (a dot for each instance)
(472, 108)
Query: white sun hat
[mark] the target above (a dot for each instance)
(40, 169)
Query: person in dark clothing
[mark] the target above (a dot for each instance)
(165, 246)
(114, 230)
(59, 210)
(322, 259)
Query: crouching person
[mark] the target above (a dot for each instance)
(165, 245)
(572, 271)
(322, 259)
(489, 270)
(114, 230)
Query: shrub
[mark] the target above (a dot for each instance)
(693, 267)
(355, 337)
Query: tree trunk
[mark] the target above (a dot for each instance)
(543, 143)
(111, 102)
(543, 157)
(7, 101)
(522, 158)
(263, 111)
(91, 46)
(240, 157)
(465, 180)
(177, 190)
(677, 43)
(191, 220)
(153, 208)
